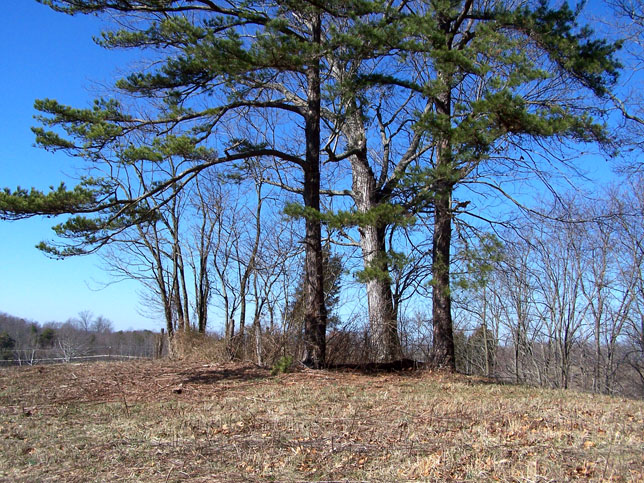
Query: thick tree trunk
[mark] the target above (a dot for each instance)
(445, 178)
(383, 320)
(443, 349)
(382, 317)
(314, 308)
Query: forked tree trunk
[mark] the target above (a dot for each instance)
(383, 321)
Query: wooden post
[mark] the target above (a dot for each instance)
(158, 349)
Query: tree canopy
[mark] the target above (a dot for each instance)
(381, 115)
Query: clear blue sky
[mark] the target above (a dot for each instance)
(47, 54)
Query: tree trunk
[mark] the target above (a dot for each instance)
(486, 348)
(257, 326)
(242, 306)
(382, 317)
(203, 296)
(598, 350)
(443, 349)
(315, 309)
(383, 320)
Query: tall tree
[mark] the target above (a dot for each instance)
(463, 85)
(436, 96)
(212, 67)
(494, 77)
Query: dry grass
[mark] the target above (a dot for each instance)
(171, 421)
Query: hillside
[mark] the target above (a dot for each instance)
(172, 421)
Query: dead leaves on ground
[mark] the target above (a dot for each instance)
(175, 421)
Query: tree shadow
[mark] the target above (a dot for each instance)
(402, 367)
(212, 375)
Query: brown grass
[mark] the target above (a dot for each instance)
(172, 421)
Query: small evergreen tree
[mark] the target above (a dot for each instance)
(46, 338)
(7, 345)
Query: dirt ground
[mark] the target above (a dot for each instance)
(134, 382)
(178, 420)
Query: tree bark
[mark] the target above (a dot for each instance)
(257, 326)
(202, 294)
(315, 317)
(383, 319)
(443, 350)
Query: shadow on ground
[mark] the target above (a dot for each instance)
(214, 374)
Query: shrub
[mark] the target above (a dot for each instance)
(191, 345)
(282, 365)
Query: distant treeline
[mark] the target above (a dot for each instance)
(85, 337)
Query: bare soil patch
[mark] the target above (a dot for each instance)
(174, 421)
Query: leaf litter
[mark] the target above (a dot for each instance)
(178, 420)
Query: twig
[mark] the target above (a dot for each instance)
(610, 450)
(127, 409)
(168, 475)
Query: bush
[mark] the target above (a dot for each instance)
(192, 345)
(6, 345)
(282, 365)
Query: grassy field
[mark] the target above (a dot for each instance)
(172, 421)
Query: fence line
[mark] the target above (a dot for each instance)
(56, 349)
(53, 360)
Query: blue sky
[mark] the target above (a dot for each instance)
(47, 54)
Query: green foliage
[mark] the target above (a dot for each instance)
(481, 78)
(282, 365)
(23, 203)
(500, 53)
(209, 54)
(381, 266)
(206, 57)
(46, 337)
(7, 343)
(590, 61)
(381, 215)
(333, 269)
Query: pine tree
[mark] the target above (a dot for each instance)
(457, 83)
(480, 77)
(218, 66)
